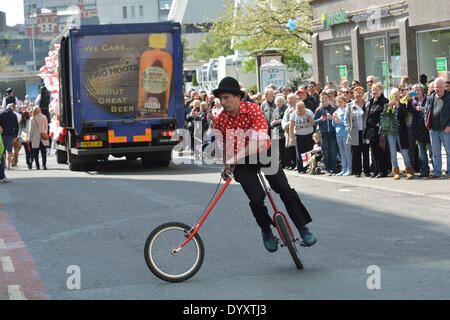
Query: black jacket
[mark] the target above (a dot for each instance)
(372, 118)
(9, 123)
(418, 127)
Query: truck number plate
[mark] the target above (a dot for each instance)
(92, 144)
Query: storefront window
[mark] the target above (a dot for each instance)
(434, 52)
(378, 56)
(338, 63)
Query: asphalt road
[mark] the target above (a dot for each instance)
(99, 221)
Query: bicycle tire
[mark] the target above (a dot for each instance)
(290, 242)
(157, 246)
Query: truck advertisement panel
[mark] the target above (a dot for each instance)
(126, 76)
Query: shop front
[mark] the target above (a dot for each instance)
(387, 40)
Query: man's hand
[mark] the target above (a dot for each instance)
(447, 129)
(273, 123)
(227, 171)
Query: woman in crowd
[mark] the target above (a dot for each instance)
(301, 130)
(286, 123)
(24, 128)
(373, 110)
(354, 125)
(341, 136)
(38, 125)
(400, 139)
(418, 128)
(413, 151)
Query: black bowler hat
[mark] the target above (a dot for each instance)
(9, 90)
(228, 85)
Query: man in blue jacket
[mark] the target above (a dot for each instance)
(10, 127)
(324, 118)
(438, 122)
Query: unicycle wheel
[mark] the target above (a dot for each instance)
(290, 242)
(161, 259)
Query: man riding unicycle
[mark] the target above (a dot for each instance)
(242, 132)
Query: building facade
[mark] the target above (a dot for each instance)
(133, 11)
(385, 38)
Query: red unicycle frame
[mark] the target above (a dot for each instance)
(195, 229)
(181, 263)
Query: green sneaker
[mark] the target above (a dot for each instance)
(270, 242)
(308, 238)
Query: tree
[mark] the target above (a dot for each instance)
(261, 24)
(212, 47)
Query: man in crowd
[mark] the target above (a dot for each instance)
(277, 119)
(438, 122)
(307, 100)
(370, 82)
(268, 106)
(10, 126)
(312, 91)
(286, 91)
(10, 98)
(43, 101)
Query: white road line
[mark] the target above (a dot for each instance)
(15, 293)
(7, 264)
(2, 244)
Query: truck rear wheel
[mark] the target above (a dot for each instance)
(74, 166)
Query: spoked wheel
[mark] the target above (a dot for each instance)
(291, 243)
(160, 256)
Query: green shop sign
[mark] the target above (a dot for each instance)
(330, 19)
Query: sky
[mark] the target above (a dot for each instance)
(14, 11)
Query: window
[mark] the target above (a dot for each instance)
(44, 28)
(381, 63)
(125, 15)
(141, 11)
(337, 60)
(433, 52)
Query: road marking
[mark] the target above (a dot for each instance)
(15, 293)
(7, 264)
(2, 244)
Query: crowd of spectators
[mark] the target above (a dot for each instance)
(342, 125)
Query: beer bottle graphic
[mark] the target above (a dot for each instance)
(155, 74)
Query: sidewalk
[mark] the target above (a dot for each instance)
(436, 188)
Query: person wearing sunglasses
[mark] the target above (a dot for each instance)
(370, 82)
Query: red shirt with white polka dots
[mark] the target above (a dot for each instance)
(250, 124)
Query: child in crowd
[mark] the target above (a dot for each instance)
(323, 118)
(316, 153)
(341, 137)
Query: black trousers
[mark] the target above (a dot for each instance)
(291, 156)
(380, 157)
(282, 152)
(35, 153)
(246, 175)
(357, 152)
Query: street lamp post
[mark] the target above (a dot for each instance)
(30, 17)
